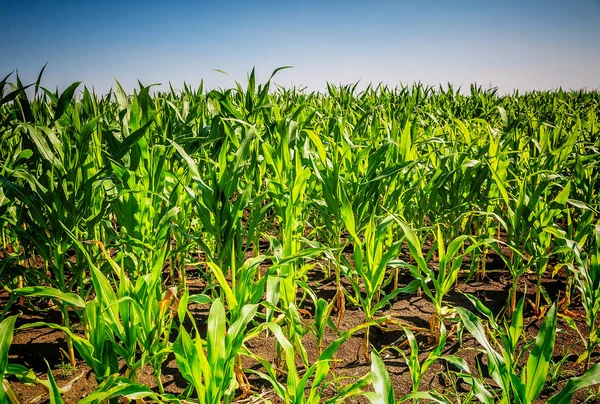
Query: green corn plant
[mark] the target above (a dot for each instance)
(246, 286)
(524, 198)
(210, 365)
(13, 157)
(142, 189)
(174, 118)
(322, 318)
(308, 387)
(521, 384)
(63, 193)
(417, 368)
(221, 204)
(181, 225)
(544, 215)
(496, 159)
(350, 179)
(553, 157)
(232, 202)
(371, 260)
(136, 315)
(128, 320)
(384, 393)
(519, 233)
(327, 171)
(579, 223)
(454, 175)
(587, 281)
(450, 259)
(178, 178)
(287, 190)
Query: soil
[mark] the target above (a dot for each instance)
(31, 347)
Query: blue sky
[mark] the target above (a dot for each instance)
(510, 44)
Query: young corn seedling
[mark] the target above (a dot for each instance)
(246, 286)
(384, 393)
(368, 272)
(321, 319)
(450, 259)
(516, 383)
(417, 368)
(210, 365)
(307, 388)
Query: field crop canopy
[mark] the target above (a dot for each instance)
(268, 244)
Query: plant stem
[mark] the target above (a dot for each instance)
(513, 297)
(366, 343)
(536, 308)
(67, 323)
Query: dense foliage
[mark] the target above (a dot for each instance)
(108, 201)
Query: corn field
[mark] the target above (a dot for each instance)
(263, 244)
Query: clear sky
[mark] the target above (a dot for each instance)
(510, 44)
